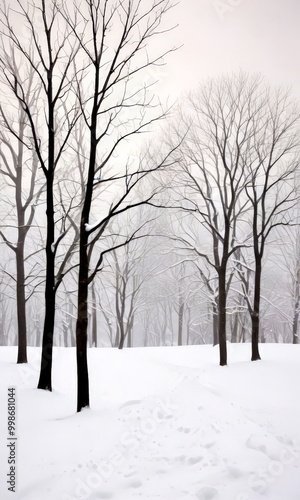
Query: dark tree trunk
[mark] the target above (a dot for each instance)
(222, 315)
(81, 325)
(45, 380)
(256, 310)
(21, 303)
(122, 340)
(22, 232)
(215, 324)
(83, 398)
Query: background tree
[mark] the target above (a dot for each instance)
(212, 183)
(19, 166)
(270, 163)
(48, 52)
(121, 289)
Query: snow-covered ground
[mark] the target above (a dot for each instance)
(165, 423)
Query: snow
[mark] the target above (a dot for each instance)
(165, 423)
(90, 227)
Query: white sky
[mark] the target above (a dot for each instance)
(255, 35)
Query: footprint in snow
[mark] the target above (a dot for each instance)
(183, 459)
(130, 403)
(209, 445)
(234, 472)
(101, 495)
(130, 474)
(186, 430)
(266, 445)
(135, 484)
(194, 460)
(207, 493)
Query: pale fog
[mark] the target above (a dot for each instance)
(150, 249)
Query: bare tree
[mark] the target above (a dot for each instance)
(123, 282)
(19, 166)
(238, 157)
(289, 262)
(270, 163)
(113, 37)
(43, 47)
(218, 131)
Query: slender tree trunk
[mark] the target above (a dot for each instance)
(122, 336)
(117, 339)
(94, 316)
(82, 324)
(188, 325)
(215, 324)
(295, 325)
(121, 343)
(243, 330)
(129, 338)
(65, 330)
(256, 310)
(296, 306)
(234, 329)
(22, 232)
(180, 321)
(45, 380)
(21, 301)
(222, 315)
(83, 398)
(130, 332)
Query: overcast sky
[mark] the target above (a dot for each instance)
(220, 36)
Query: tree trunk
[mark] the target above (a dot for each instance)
(222, 315)
(122, 336)
(83, 398)
(234, 329)
(130, 331)
(296, 306)
(21, 303)
(117, 339)
(243, 330)
(180, 321)
(215, 324)
(129, 338)
(82, 324)
(22, 232)
(121, 343)
(94, 316)
(45, 380)
(256, 310)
